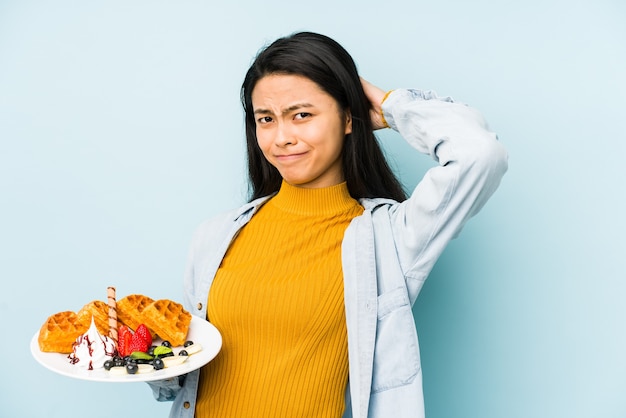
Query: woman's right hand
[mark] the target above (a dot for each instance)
(375, 95)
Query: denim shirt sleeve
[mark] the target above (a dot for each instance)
(165, 390)
(471, 162)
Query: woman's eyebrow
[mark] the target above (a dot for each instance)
(284, 111)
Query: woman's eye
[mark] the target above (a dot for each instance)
(302, 115)
(264, 119)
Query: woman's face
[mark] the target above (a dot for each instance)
(300, 130)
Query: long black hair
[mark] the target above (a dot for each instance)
(325, 62)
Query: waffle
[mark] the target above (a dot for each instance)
(59, 332)
(168, 319)
(164, 318)
(99, 311)
(130, 310)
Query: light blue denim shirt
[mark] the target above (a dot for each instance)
(387, 253)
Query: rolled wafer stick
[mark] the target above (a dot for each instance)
(112, 313)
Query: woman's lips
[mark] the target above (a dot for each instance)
(289, 157)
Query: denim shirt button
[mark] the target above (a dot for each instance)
(186, 405)
(199, 306)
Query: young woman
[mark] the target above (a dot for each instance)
(311, 283)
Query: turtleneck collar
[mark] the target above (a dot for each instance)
(323, 201)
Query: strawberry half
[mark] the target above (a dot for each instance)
(144, 333)
(124, 335)
(138, 343)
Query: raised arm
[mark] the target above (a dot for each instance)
(471, 162)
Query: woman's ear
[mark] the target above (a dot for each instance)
(348, 122)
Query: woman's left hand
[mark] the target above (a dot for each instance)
(375, 95)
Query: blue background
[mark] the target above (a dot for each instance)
(121, 129)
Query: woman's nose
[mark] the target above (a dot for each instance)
(284, 136)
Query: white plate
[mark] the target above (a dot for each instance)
(200, 331)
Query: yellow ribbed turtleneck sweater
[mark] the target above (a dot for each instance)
(277, 299)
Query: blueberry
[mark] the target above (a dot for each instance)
(183, 353)
(132, 368)
(166, 343)
(187, 343)
(158, 364)
(108, 364)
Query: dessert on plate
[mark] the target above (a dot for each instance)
(163, 318)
